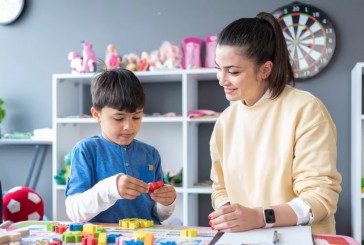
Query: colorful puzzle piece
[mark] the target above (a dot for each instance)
(155, 185)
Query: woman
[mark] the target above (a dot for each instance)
(273, 149)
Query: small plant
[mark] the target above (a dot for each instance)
(2, 111)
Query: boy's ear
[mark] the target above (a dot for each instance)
(96, 114)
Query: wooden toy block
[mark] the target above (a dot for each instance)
(139, 235)
(60, 228)
(89, 240)
(189, 232)
(184, 233)
(102, 238)
(90, 228)
(135, 223)
(192, 232)
(76, 227)
(51, 227)
(148, 239)
(55, 242)
(111, 238)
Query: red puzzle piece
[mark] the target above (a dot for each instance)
(155, 185)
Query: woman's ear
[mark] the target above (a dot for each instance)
(96, 114)
(266, 69)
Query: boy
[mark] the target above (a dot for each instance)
(109, 172)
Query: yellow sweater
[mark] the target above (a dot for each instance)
(270, 153)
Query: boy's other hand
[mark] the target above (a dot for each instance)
(164, 195)
(130, 187)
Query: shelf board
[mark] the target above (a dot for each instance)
(60, 187)
(202, 120)
(144, 120)
(200, 190)
(162, 119)
(166, 75)
(4, 141)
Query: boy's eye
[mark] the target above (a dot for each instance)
(118, 119)
(136, 118)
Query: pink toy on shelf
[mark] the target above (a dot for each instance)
(211, 42)
(112, 58)
(192, 52)
(84, 64)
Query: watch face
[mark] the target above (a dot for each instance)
(310, 37)
(269, 216)
(10, 10)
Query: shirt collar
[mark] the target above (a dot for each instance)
(265, 96)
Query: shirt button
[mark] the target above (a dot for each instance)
(126, 164)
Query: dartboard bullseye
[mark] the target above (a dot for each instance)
(310, 37)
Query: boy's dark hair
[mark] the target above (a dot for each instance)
(119, 89)
(261, 39)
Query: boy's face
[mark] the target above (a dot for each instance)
(118, 127)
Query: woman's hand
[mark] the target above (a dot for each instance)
(234, 217)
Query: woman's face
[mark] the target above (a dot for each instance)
(239, 76)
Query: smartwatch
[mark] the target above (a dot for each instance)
(269, 217)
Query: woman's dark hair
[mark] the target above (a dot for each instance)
(261, 39)
(119, 89)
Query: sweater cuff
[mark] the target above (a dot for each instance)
(302, 210)
(164, 212)
(112, 186)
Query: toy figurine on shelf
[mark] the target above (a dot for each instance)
(211, 42)
(84, 64)
(170, 55)
(131, 61)
(174, 178)
(112, 59)
(154, 61)
(62, 175)
(143, 64)
(192, 52)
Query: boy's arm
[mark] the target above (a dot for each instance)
(163, 212)
(82, 207)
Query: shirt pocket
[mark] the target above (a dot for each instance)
(147, 173)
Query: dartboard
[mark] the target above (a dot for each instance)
(310, 38)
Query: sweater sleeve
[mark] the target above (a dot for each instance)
(163, 212)
(315, 177)
(219, 194)
(81, 207)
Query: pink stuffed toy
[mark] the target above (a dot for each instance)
(86, 63)
(21, 204)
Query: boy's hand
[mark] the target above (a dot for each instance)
(130, 187)
(164, 195)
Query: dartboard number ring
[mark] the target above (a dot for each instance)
(310, 38)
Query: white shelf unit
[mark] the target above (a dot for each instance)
(182, 142)
(357, 151)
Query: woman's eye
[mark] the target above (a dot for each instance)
(118, 119)
(136, 118)
(233, 72)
